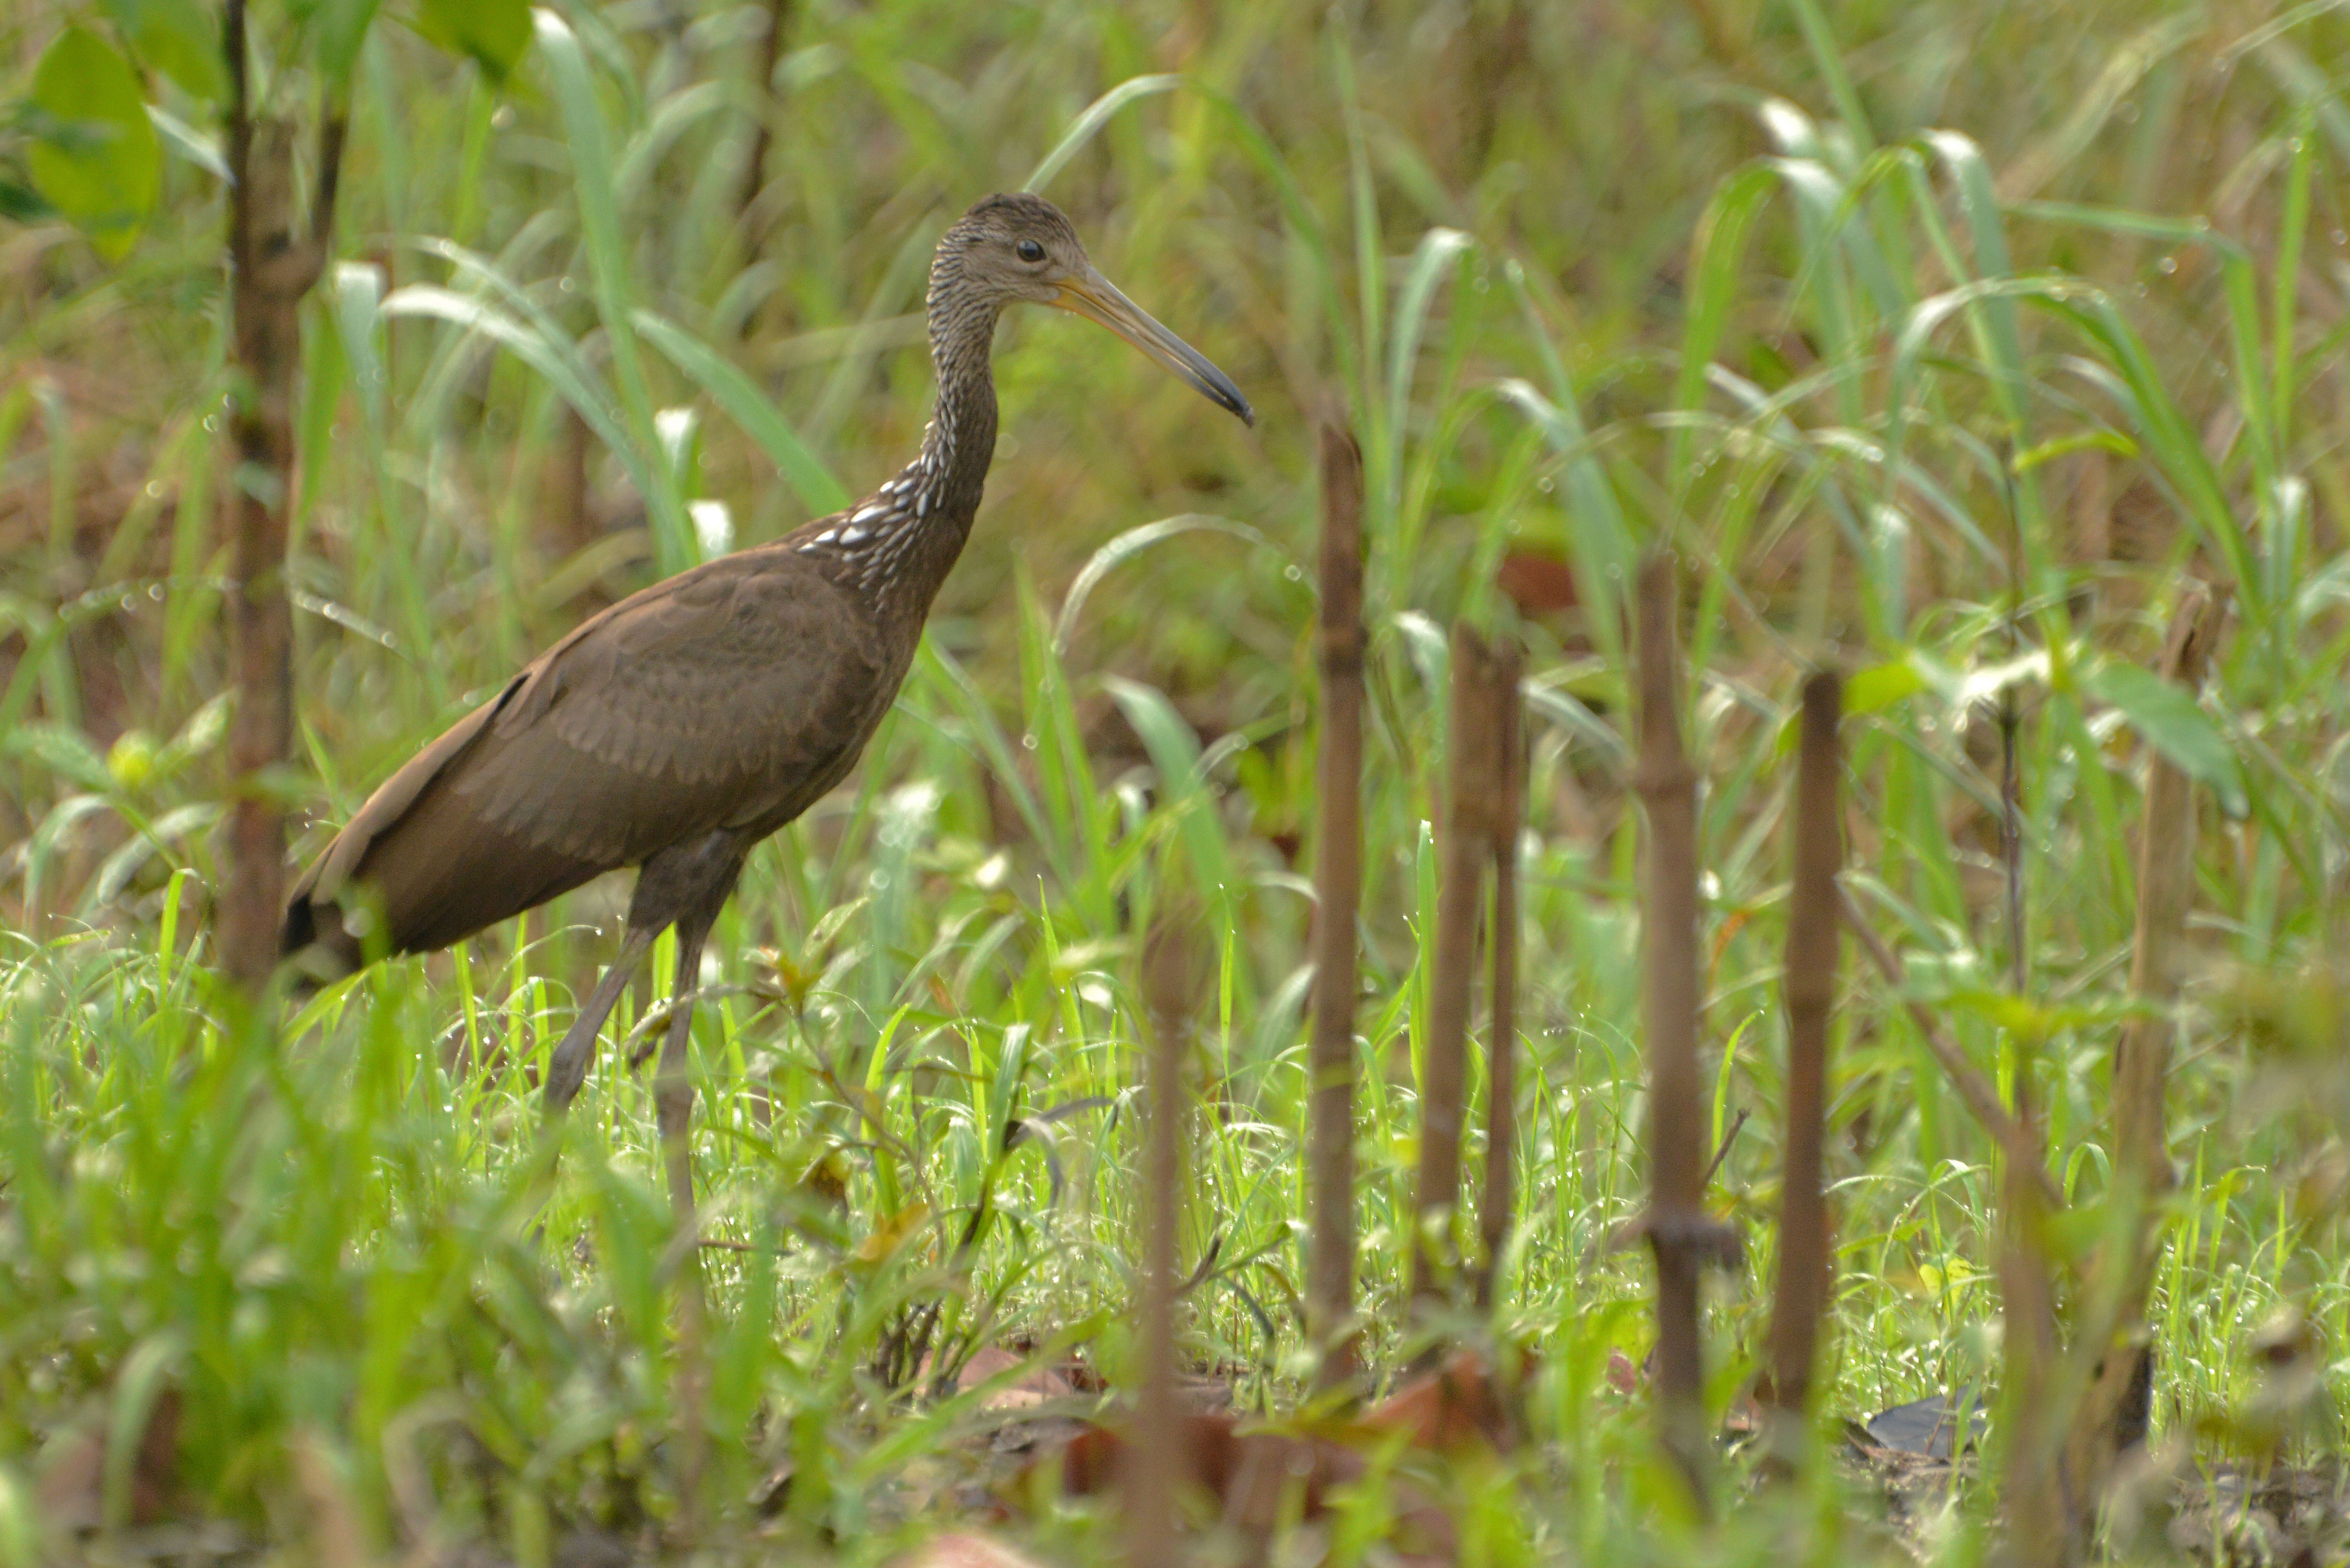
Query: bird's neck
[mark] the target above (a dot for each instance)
(961, 440)
(896, 546)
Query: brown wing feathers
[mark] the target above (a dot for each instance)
(434, 871)
(728, 696)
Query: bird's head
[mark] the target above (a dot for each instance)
(1020, 247)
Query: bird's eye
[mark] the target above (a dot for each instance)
(1030, 251)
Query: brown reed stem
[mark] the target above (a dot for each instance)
(1464, 844)
(1338, 889)
(2115, 1410)
(570, 499)
(1173, 966)
(1493, 1213)
(2035, 1486)
(755, 168)
(273, 261)
(1805, 1257)
(1677, 1224)
(2166, 890)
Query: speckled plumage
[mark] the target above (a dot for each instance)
(678, 728)
(730, 697)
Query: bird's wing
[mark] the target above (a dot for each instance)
(715, 698)
(708, 701)
(390, 802)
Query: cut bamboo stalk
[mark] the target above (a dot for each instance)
(1338, 888)
(1464, 844)
(2033, 1494)
(2113, 1413)
(1173, 965)
(570, 499)
(1494, 1213)
(2166, 889)
(1805, 1257)
(754, 167)
(274, 259)
(1679, 1231)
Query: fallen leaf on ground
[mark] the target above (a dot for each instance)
(961, 1550)
(1039, 1386)
(989, 1362)
(1257, 1478)
(1459, 1404)
(72, 1471)
(1537, 584)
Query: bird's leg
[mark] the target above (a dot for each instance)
(687, 884)
(673, 1106)
(567, 1069)
(674, 1078)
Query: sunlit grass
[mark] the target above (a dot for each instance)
(1958, 408)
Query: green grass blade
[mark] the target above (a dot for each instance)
(1089, 124)
(596, 190)
(1438, 250)
(800, 467)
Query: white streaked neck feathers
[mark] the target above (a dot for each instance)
(906, 534)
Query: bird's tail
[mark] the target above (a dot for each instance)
(316, 934)
(437, 877)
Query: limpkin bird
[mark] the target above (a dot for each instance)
(677, 728)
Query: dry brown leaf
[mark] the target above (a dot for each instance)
(72, 1471)
(960, 1550)
(1040, 1385)
(1459, 1404)
(1253, 1478)
(72, 1478)
(1537, 584)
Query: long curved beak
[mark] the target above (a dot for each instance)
(1096, 298)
